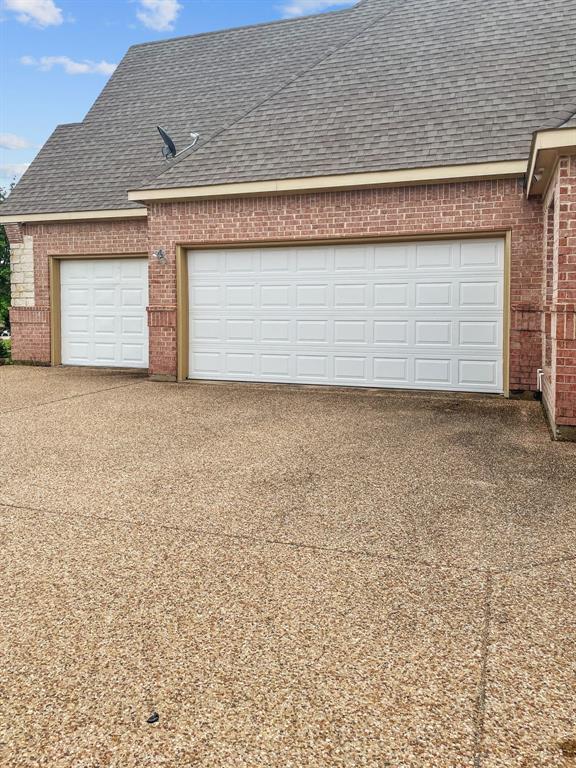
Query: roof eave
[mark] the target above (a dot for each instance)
(401, 177)
(114, 213)
(547, 146)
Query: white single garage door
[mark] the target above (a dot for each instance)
(103, 312)
(426, 315)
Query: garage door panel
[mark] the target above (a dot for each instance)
(206, 296)
(275, 296)
(206, 263)
(391, 332)
(391, 371)
(312, 367)
(315, 295)
(75, 297)
(104, 353)
(392, 257)
(241, 261)
(276, 261)
(478, 294)
(79, 351)
(103, 312)
(133, 325)
(275, 365)
(241, 363)
(241, 330)
(351, 332)
(350, 367)
(314, 260)
(312, 331)
(103, 270)
(207, 364)
(208, 329)
(478, 373)
(132, 269)
(240, 296)
(480, 333)
(275, 331)
(77, 324)
(133, 353)
(433, 332)
(352, 258)
(351, 295)
(481, 255)
(423, 315)
(104, 297)
(434, 294)
(435, 256)
(105, 324)
(132, 297)
(391, 295)
(433, 371)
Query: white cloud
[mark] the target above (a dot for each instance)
(159, 14)
(11, 141)
(44, 13)
(304, 7)
(71, 67)
(13, 170)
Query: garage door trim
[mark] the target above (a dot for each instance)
(54, 263)
(183, 250)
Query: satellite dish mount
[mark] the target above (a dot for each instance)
(169, 149)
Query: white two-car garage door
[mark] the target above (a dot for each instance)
(103, 312)
(425, 315)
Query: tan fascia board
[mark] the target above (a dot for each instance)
(547, 146)
(408, 176)
(117, 213)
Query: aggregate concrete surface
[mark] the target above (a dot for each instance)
(288, 576)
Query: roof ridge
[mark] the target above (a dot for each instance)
(325, 55)
(257, 25)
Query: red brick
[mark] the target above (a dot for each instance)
(438, 209)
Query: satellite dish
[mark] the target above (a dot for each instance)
(169, 148)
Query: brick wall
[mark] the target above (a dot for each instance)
(560, 330)
(466, 207)
(432, 209)
(14, 233)
(31, 325)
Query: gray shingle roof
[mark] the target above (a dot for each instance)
(388, 84)
(570, 123)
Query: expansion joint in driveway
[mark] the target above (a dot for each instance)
(534, 564)
(294, 544)
(242, 537)
(481, 697)
(70, 397)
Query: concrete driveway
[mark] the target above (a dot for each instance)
(288, 577)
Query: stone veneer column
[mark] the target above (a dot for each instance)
(22, 272)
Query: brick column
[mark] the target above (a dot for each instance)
(162, 234)
(162, 344)
(564, 300)
(29, 322)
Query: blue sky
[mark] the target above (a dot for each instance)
(56, 55)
